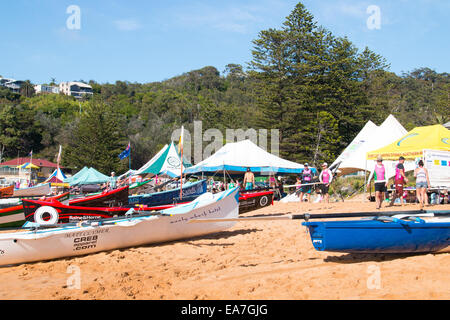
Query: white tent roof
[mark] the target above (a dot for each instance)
(236, 157)
(370, 138)
(347, 156)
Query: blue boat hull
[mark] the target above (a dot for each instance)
(190, 193)
(374, 236)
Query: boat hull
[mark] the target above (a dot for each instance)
(46, 244)
(374, 236)
(113, 198)
(255, 200)
(6, 191)
(61, 213)
(190, 193)
(13, 215)
(39, 190)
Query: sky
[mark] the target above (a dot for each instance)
(148, 40)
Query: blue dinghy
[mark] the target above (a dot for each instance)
(190, 192)
(406, 234)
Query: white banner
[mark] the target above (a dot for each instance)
(438, 166)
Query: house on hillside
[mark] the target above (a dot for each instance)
(12, 84)
(9, 171)
(42, 88)
(75, 89)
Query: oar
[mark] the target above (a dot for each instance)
(308, 216)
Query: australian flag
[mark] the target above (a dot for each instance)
(125, 153)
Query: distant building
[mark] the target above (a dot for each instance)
(9, 171)
(42, 88)
(12, 84)
(75, 89)
(3, 81)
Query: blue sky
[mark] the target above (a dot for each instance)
(146, 41)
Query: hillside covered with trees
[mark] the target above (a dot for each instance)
(316, 88)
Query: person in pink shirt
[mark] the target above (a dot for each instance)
(326, 176)
(380, 181)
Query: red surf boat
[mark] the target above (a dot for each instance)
(254, 200)
(113, 198)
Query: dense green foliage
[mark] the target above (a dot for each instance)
(318, 89)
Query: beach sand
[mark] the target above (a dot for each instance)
(253, 260)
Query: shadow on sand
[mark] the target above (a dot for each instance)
(370, 257)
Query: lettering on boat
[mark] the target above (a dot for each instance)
(83, 243)
(205, 213)
(87, 233)
(2, 251)
(83, 217)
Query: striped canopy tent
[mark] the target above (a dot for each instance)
(412, 144)
(28, 165)
(167, 162)
(56, 177)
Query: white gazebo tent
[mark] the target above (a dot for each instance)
(236, 157)
(370, 138)
(350, 158)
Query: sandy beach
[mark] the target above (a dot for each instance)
(253, 260)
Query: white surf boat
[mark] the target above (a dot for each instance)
(38, 190)
(51, 242)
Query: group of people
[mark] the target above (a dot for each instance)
(400, 179)
(305, 183)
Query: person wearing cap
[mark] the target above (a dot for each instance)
(306, 180)
(399, 181)
(380, 181)
(249, 180)
(325, 177)
(112, 181)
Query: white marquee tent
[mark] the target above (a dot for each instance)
(370, 138)
(236, 157)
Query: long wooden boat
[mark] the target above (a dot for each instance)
(397, 234)
(254, 200)
(113, 198)
(38, 190)
(13, 215)
(6, 191)
(75, 239)
(190, 192)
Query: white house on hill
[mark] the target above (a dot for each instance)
(75, 89)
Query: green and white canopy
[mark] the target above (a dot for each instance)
(166, 162)
(87, 176)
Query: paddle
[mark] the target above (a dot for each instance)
(308, 216)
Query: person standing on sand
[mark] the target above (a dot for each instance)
(379, 177)
(422, 184)
(399, 180)
(306, 178)
(249, 180)
(326, 176)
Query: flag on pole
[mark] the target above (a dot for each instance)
(31, 153)
(125, 153)
(58, 159)
(180, 150)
